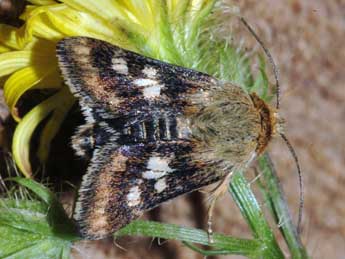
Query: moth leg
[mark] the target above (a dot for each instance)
(217, 192)
(257, 176)
(119, 246)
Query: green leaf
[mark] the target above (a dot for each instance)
(205, 252)
(59, 222)
(40, 190)
(226, 244)
(34, 229)
(42, 249)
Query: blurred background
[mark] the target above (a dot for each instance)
(306, 39)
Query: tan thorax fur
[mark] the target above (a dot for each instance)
(232, 126)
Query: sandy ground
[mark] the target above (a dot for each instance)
(306, 39)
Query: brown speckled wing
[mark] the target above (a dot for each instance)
(137, 134)
(124, 182)
(112, 82)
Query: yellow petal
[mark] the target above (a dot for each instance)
(40, 26)
(71, 23)
(18, 84)
(9, 36)
(26, 127)
(12, 61)
(142, 13)
(4, 49)
(38, 23)
(53, 126)
(41, 54)
(41, 2)
(105, 9)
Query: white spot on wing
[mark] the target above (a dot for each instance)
(152, 91)
(150, 72)
(157, 167)
(151, 87)
(159, 163)
(120, 65)
(160, 185)
(133, 197)
(145, 82)
(153, 174)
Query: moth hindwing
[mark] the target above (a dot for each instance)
(153, 131)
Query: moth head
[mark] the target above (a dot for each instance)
(276, 122)
(271, 123)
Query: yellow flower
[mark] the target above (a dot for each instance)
(163, 29)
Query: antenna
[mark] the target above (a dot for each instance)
(292, 151)
(301, 192)
(270, 58)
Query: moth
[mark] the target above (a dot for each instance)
(153, 131)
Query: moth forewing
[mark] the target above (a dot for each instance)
(154, 131)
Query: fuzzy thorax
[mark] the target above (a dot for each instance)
(234, 125)
(228, 127)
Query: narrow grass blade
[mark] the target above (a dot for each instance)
(231, 245)
(279, 208)
(251, 211)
